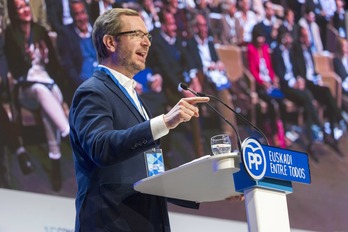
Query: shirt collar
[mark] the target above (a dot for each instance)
(199, 41)
(170, 40)
(126, 82)
(84, 35)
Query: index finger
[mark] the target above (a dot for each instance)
(194, 100)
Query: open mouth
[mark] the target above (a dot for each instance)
(142, 54)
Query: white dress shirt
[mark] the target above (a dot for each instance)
(157, 124)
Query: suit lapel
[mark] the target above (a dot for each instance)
(119, 94)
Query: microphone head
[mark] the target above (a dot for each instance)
(184, 86)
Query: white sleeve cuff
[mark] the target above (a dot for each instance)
(158, 127)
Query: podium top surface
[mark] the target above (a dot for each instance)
(205, 179)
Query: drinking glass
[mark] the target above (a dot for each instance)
(220, 144)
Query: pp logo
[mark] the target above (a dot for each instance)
(254, 158)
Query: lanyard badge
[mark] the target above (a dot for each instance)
(154, 162)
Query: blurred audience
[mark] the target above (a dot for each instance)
(308, 23)
(78, 65)
(267, 86)
(58, 14)
(340, 63)
(247, 18)
(98, 7)
(270, 24)
(339, 19)
(306, 69)
(214, 78)
(231, 31)
(149, 13)
(39, 12)
(28, 44)
(169, 58)
(294, 86)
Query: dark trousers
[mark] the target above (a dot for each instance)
(304, 98)
(323, 95)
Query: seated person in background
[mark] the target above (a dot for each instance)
(149, 13)
(202, 53)
(149, 87)
(306, 69)
(270, 24)
(75, 46)
(247, 18)
(267, 86)
(58, 14)
(9, 138)
(340, 63)
(28, 44)
(308, 23)
(98, 7)
(169, 58)
(294, 86)
(290, 24)
(231, 28)
(339, 19)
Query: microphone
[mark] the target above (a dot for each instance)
(185, 87)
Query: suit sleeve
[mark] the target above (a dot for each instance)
(109, 135)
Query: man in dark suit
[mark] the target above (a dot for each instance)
(214, 78)
(306, 69)
(294, 86)
(75, 46)
(111, 129)
(169, 57)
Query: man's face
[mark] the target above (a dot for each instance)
(232, 9)
(23, 10)
(310, 17)
(290, 17)
(202, 28)
(169, 27)
(287, 40)
(244, 5)
(344, 46)
(80, 16)
(269, 12)
(305, 37)
(131, 51)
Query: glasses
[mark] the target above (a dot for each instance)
(138, 34)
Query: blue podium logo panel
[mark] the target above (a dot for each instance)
(266, 161)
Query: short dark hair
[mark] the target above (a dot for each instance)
(109, 23)
(256, 32)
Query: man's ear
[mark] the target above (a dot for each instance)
(110, 43)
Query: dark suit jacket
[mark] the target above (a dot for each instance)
(171, 61)
(300, 63)
(69, 41)
(339, 68)
(279, 66)
(55, 14)
(109, 137)
(94, 10)
(192, 48)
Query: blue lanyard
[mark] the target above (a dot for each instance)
(107, 71)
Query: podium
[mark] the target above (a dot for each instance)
(215, 178)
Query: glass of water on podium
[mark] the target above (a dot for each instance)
(221, 144)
